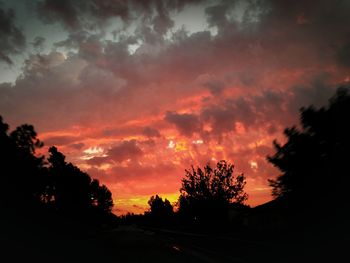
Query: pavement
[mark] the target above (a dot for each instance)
(142, 244)
(134, 244)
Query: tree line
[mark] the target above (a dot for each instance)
(31, 182)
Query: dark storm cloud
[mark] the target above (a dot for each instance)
(162, 22)
(265, 109)
(186, 124)
(314, 31)
(221, 118)
(69, 89)
(65, 11)
(322, 25)
(344, 55)
(73, 40)
(217, 15)
(110, 8)
(269, 108)
(215, 86)
(250, 110)
(12, 40)
(5, 86)
(87, 84)
(38, 43)
(119, 153)
(125, 150)
(150, 132)
(316, 95)
(77, 15)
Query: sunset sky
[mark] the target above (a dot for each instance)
(136, 91)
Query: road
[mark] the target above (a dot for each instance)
(122, 244)
(136, 244)
(133, 244)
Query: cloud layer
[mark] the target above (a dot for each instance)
(12, 40)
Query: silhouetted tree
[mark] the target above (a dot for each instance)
(207, 193)
(74, 190)
(160, 209)
(25, 138)
(314, 160)
(21, 169)
(71, 186)
(101, 197)
(28, 181)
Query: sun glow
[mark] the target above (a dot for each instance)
(93, 150)
(171, 144)
(197, 142)
(254, 166)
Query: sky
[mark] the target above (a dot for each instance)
(135, 92)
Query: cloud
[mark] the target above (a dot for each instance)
(12, 40)
(220, 118)
(38, 43)
(162, 22)
(187, 124)
(77, 146)
(65, 11)
(61, 91)
(215, 86)
(100, 174)
(266, 109)
(151, 132)
(60, 140)
(162, 173)
(91, 14)
(104, 73)
(316, 95)
(126, 150)
(344, 55)
(97, 161)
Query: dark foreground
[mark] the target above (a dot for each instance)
(28, 242)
